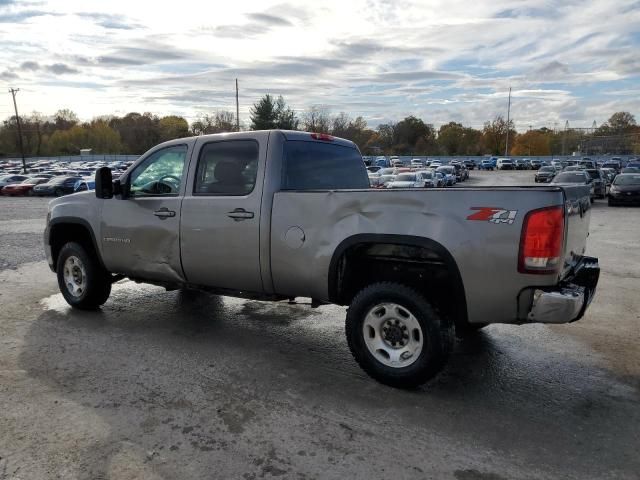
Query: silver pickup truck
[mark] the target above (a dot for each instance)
(273, 215)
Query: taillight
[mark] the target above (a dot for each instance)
(322, 136)
(541, 241)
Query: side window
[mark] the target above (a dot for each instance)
(322, 166)
(227, 168)
(160, 174)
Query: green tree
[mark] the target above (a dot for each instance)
(139, 132)
(221, 121)
(171, 127)
(618, 123)
(269, 113)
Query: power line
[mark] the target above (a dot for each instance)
(13, 92)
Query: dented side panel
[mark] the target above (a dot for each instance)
(306, 228)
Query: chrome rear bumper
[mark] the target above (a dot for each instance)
(568, 301)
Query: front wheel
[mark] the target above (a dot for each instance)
(396, 336)
(83, 282)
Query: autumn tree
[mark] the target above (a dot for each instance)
(316, 119)
(219, 122)
(494, 135)
(533, 142)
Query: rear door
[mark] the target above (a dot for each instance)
(220, 228)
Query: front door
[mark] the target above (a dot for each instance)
(140, 234)
(221, 215)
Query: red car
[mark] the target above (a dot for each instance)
(23, 188)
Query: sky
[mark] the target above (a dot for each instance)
(575, 61)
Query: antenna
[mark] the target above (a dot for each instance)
(506, 147)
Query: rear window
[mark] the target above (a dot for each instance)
(627, 180)
(322, 166)
(570, 177)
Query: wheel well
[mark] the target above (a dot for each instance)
(428, 268)
(62, 233)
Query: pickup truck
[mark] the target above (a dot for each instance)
(274, 215)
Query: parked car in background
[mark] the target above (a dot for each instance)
(573, 178)
(487, 165)
(617, 166)
(10, 179)
(430, 178)
(440, 180)
(521, 164)
(505, 164)
(461, 172)
(408, 180)
(84, 184)
(435, 164)
(395, 162)
(633, 164)
(587, 163)
(374, 179)
(609, 174)
(386, 175)
(573, 168)
(545, 174)
(630, 170)
(449, 174)
(470, 164)
(373, 168)
(417, 163)
(535, 164)
(23, 188)
(625, 190)
(57, 186)
(599, 182)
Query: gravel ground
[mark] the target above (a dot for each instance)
(184, 385)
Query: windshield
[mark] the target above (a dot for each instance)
(427, 175)
(548, 169)
(627, 180)
(569, 177)
(406, 177)
(593, 174)
(445, 169)
(386, 171)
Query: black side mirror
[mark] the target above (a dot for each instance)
(104, 183)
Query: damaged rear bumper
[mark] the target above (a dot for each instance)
(568, 301)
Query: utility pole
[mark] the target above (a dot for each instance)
(237, 109)
(506, 147)
(13, 92)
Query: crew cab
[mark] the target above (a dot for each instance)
(274, 215)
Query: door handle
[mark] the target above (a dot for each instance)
(240, 214)
(164, 212)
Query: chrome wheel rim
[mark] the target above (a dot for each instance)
(392, 335)
(75, 276)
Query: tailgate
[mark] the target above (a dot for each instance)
(577, 217)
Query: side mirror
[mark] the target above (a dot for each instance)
(104, 183)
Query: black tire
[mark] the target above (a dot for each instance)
(58, 192)
(591, 199)
(97, 287)
(437, 335)
(469, 330)
(610, 203)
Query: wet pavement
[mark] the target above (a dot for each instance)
(189, 385)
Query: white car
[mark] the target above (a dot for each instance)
(11, 179)
(431, 178)
(386, 175)
(417, 163)
(395, 162)
(408, 180)
(505, 164)
(374, 179)
(435, 164)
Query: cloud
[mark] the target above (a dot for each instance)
(109, 21)
(17, 17)
(551, 71)
(267, 19)
(30, 65)
(61, 69)
(7, 75)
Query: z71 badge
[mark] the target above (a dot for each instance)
(493, 215)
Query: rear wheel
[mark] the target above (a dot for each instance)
(83, 282)
(58, 192)
(396, 336)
